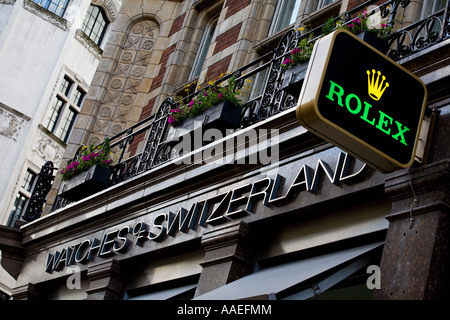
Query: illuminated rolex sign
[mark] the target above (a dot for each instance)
(361, 101)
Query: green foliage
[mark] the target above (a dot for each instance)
(205, 99)
(300, 54)
(100, 155)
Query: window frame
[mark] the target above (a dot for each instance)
(323, 3)
(208, 38)
(65, 107)
(23, 197)
(53, 6)
(278, 22)
(90, 27)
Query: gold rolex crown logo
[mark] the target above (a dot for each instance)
(376, 88)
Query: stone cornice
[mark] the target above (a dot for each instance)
(111, 7)
(45, 14)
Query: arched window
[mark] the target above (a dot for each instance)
(205, 43)
(95, 23)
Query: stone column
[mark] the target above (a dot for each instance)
(12, 252)
(25, 292)
(416, 257)
(106, 281)
(228, 256)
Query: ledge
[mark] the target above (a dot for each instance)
(155, 186)
(45, 14)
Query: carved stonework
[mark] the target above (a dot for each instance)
(7, 1)
(11, 124)
(88, 44)
(111, 7)
(48, 149)
(127, 78)
(45, 14)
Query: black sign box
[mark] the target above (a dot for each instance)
(363, 102)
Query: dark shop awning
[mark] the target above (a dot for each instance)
(267, 283)
(165, 294)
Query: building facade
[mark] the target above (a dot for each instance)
(266, 210)
(49, 53)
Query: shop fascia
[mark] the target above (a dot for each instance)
(234, 204)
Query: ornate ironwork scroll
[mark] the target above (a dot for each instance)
(40, 191)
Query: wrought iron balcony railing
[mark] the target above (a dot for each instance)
(402, 42)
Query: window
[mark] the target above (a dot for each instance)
(28, 180)
(66, 125)
(432, 7)
(57, 7)
(78, 97)
(434, 26)
(439, 4)
(285, 15)
(323, 3)
(205, 43)
(4, 296)
(22, 198)
(17, 210)
(95, 23)
(65, 108)
(66, 85)
(55, 113)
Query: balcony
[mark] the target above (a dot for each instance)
(267, 108)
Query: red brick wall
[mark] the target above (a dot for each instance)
(236, 6)
(146, 112)
(218, 68)
(177, 24)
(227, 38)
(354, 3)
(165, 56)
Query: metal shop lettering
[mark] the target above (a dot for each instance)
(233, 204)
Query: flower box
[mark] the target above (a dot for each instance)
(222, 116)
(293, 79)
(373, 40)
(85, 183)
